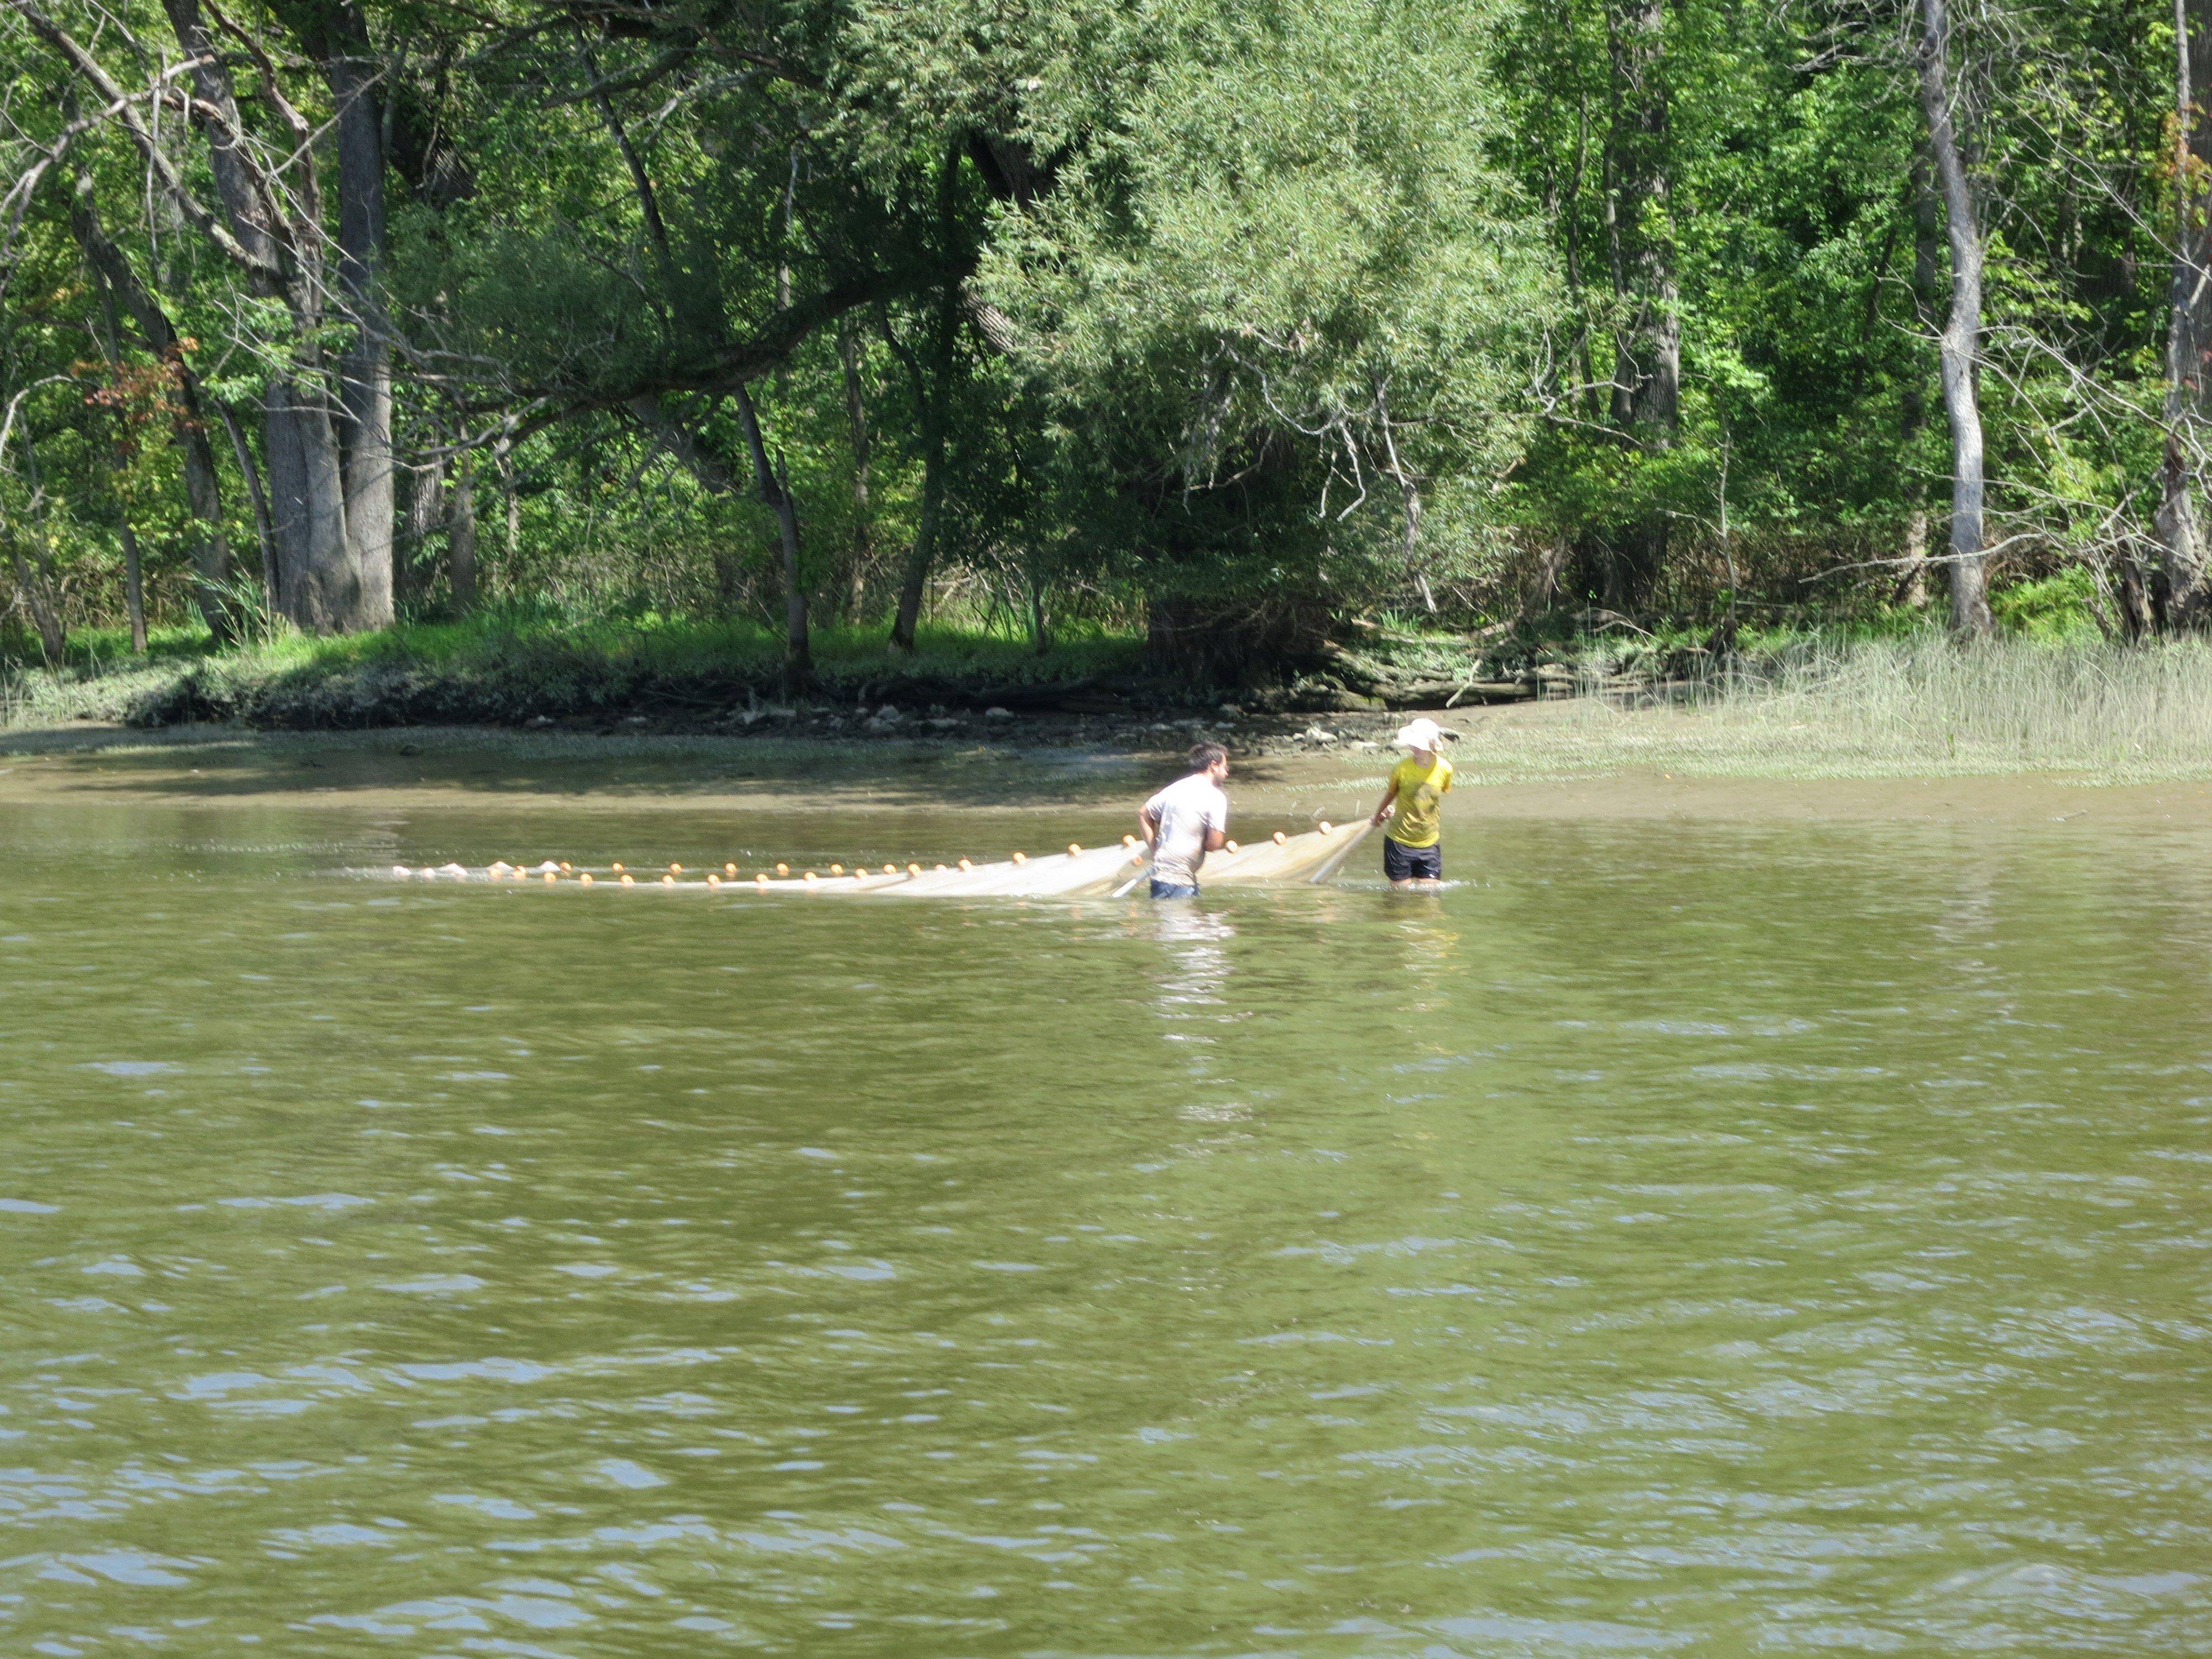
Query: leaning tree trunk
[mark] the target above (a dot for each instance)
(775, 490)
(35, 580)
(774, 486)
(264, 539)
(1962, 330)
(205, 539)
(2179, 594)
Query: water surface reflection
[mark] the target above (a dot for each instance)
(1787, 1241)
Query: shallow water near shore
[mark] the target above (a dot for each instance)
(1767, 1238)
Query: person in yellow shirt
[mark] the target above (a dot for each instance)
(1412, 851)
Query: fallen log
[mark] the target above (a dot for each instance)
(1454, 694)
(1034, 694)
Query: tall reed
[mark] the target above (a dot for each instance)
(1917, 706)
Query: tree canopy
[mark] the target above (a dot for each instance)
(1240, 317)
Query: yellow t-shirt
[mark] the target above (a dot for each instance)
(1421, 792)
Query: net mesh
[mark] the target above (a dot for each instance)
(1314, 856)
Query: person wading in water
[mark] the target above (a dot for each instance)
(1413, 849)
(1185, 821)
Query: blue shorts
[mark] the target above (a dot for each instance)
(1411, 863)
(1169, 889)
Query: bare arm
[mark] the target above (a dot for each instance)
(1216, 840)
(1383, 807)
(1149, 825)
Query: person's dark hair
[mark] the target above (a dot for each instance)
(1203, 755)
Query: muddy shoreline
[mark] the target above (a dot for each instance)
(1525, 764)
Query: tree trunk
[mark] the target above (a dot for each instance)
(1912, 576)
(365, 366)
(320, 583)
(1572, 214)
(915, 580)
(246, 208)
(426, 517)
(134, 589)
(264, 536)
(502, 455)
(1648, 361)
(41, 593)
(1544, 592)
(1927, 226)
(206, 541)
(271, 230)
(317, 583)
(1962, 332)
(775, 490)
(856, 414)
(1647, 389)
(461, 535)
(1040, 638)
(35, 583)
(934, 395)
(2179, 595)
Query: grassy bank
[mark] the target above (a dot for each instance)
(1921, 707)
(510, 669)
(1910, 704)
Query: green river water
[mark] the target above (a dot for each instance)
(1708, 1240)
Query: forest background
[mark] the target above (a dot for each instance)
(1224, 331)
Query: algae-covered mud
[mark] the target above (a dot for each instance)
(1699, 1230)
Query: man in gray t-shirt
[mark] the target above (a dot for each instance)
(1185, 821)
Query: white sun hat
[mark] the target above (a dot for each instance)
(1423, 733)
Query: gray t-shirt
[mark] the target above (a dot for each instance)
(1186, 811)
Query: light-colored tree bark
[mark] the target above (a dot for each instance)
(269, 225)
(2179, 594)
(461, 534)
(856, 418)
(277, 229)
(364, 365)
(426, 516)
(1961, 344)
(510, 496)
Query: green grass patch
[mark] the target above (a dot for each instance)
(508, 666)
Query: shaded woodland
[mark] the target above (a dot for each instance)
(1241, 326)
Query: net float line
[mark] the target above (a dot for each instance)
(1312, 857)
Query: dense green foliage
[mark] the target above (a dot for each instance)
(1072, 313)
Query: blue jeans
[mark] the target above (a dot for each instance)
(1170, 890)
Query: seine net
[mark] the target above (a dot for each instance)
(1314, 856)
